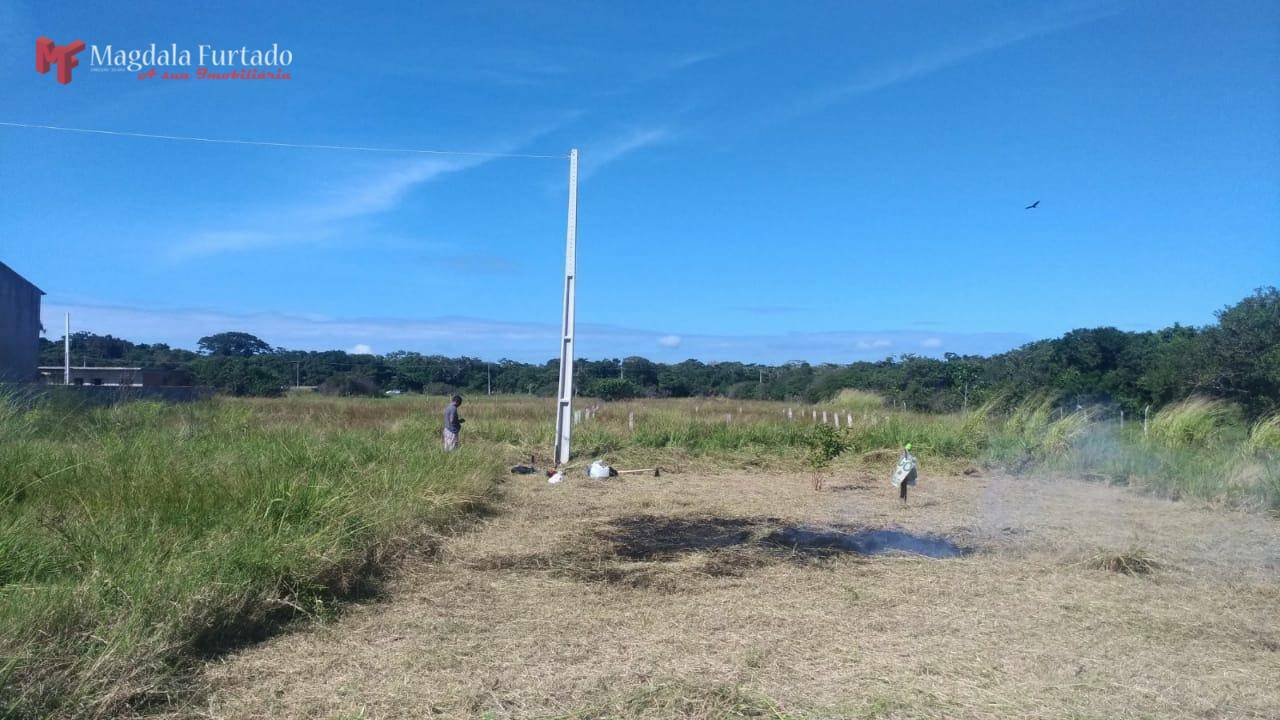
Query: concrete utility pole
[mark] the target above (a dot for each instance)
(564, 396)
(66, 351)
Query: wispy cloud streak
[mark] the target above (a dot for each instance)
(312, 221)
(316, 219)
(599, 155)
(884, 75)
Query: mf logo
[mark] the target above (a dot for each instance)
(63, 56)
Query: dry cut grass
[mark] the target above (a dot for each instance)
(559, 608)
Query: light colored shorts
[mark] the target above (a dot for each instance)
(450, 441)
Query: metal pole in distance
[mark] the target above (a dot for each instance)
(564, 397)
(66, 351)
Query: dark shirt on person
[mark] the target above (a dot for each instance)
(452, 422)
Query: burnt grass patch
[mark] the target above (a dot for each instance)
(659, 537)
(659, 550)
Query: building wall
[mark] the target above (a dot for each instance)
(111, 376)
(116, 376)
(89, 395)
(19, 328)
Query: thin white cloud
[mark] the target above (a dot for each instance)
(884, 75)
(529, 341)
(384, 191)
(688, 60)
(597, 156)
(309, 221)
(360, 349)
(768, 309)
(220, 241)
(318, 217)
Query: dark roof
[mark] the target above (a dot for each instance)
(11, 271)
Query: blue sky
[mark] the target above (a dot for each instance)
(762, 181)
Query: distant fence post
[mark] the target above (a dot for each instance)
(848, 419)
(1145, 412)
(631, 421)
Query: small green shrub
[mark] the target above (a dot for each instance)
(825, 444)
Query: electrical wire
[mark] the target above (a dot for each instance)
(262, 143)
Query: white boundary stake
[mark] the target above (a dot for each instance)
(564, 396)
(67, 352)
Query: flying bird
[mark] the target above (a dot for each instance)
(1032, 206)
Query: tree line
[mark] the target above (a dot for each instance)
(1236, 358)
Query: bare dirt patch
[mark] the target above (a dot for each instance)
(662, 597)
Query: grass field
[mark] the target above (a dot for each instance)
(138, 541)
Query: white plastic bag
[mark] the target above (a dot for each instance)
(555, 479)
(598, 470)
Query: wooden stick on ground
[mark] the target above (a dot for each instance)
(657, 471)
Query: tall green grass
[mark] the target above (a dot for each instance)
(1226, 474)
(858, 400)
(1195, 422)
(1264, 436)
(1032, 431)
(137, 538)
(1197, 448)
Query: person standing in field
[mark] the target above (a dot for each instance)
(452, 424)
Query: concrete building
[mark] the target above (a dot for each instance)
(19, 327)
(115, 376)
(105, 376)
